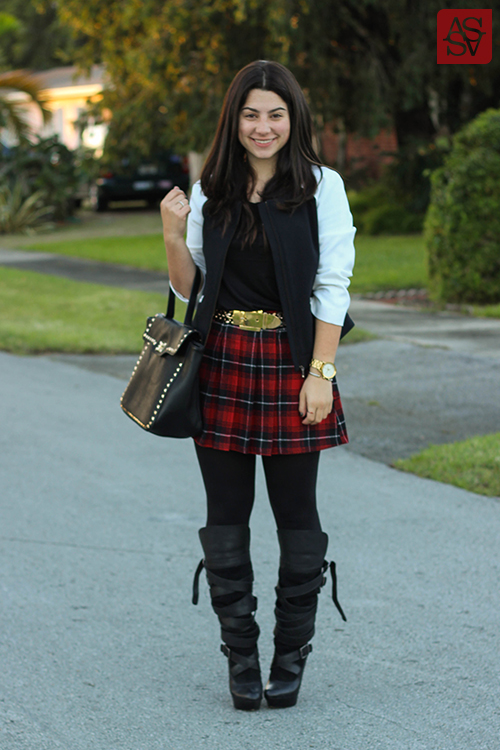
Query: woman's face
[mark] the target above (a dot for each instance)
(264, 127)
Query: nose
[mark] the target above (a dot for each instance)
(263, 127)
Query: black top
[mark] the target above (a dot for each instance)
(293, 238)
(249, 279)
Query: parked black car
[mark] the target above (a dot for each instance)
(148, 181)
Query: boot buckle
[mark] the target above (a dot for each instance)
(304, 651)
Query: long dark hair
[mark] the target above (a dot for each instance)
(227, 175)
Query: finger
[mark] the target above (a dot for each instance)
(320, 413)
(179, 202)
(310, 417)
(179, 206)
(319, 418)
(302, 404)
(176, 190)
(172, 193)
(174, 196)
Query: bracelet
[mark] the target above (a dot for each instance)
(315, 374)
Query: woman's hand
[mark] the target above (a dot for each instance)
(315, 400)
(174, 212)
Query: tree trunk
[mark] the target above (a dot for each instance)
(413, 126)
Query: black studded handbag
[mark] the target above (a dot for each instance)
(162, 395)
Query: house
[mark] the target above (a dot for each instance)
(66, 93)
(358, 158)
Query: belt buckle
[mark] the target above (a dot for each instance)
(249, 321)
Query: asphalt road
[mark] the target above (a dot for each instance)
(101, 648)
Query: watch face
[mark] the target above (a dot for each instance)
(328, 370)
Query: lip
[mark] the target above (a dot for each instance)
(262, 144)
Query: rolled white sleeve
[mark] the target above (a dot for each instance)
(330, 297)
(194, 237)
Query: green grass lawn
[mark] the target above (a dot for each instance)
(142, 251)
(395, 262)
(41, 313)
(381, 262)
(392, 262)
(472, 464)
(486, 311)
(358, 336)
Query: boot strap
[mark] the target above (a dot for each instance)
(226, 585)
(290, 661)
(196, 582)
(333, 572)
(289, 592)
(245, 606)
(240, 663)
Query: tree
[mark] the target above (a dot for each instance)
(34, 38)
(364, 62)
(11, 111)
(8, 23)
(169, 63)
(397, 43)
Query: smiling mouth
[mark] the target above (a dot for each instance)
(263, 143)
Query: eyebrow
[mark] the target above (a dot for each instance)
(276, 109)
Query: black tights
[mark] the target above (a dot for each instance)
(229, 479)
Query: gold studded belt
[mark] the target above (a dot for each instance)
(254, 320)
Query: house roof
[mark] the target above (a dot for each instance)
(66, 82)
(69, 77)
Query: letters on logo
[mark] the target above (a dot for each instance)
(464, 36)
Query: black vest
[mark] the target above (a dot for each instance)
(294, 243)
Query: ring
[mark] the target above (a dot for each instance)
(182, 203)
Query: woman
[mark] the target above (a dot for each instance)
(272, 233)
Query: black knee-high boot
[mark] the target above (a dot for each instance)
(229, 573)
(301, 576)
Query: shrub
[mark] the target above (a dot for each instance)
(397, 202)
(20, 212)
(462, 226)
(377, 211)
(391, 220)
(46, 166)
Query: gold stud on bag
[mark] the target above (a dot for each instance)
(162, 395)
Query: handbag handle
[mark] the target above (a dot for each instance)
(192, 300)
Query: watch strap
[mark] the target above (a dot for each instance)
(318, 365)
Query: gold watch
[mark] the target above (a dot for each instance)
(327, 369)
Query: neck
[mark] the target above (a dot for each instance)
(263, 169)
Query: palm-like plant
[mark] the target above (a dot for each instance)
(11, 111)
(20, 212)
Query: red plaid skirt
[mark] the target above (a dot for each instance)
(250, 396)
